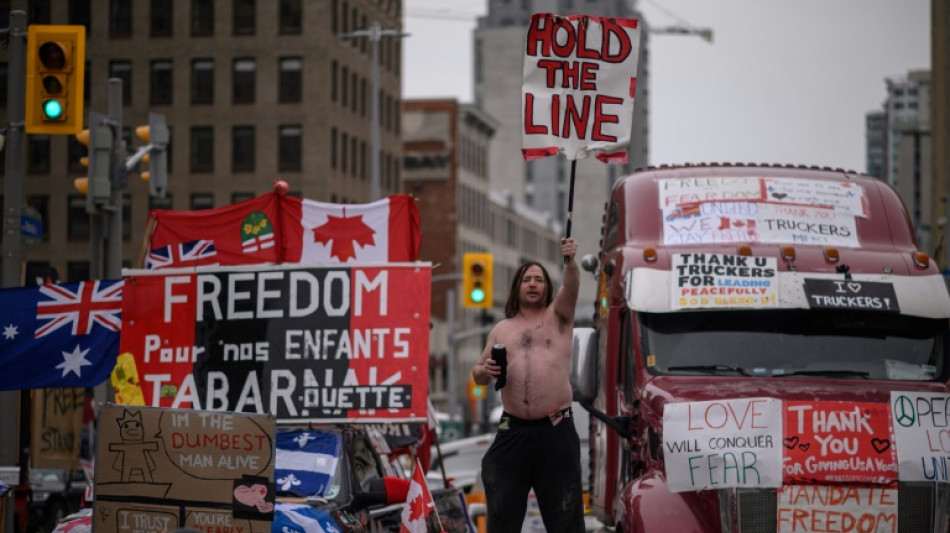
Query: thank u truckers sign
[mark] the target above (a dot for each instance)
(319, 344)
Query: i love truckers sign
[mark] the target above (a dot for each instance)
(318, 344)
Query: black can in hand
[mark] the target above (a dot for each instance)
(500, 355)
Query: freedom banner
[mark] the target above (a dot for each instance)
(276, 228)
(59, 335)
(323, 344)
(580, 78)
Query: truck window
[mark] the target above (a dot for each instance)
(858, 345)
(366, 465)
(627, 372)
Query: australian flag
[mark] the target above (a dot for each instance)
(59, 335)
(306, 461)
(192, 253)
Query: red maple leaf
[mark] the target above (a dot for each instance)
(344, 232)
(417, 508)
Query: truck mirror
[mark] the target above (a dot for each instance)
(589, 262)
(584, 364)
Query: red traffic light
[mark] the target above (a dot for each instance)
(52, 55)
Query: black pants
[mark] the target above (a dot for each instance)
(530, 454)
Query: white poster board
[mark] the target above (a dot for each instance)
(922, 433)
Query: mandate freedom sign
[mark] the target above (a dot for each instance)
(320, 344)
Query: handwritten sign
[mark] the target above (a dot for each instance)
(57, 423)
(165, 469)
(722, 444)
(836, 509)
(799, 224)
(678, 191)
(922, 432)
(841, 196)
(838, 442)
(702, 280)
(580, 76)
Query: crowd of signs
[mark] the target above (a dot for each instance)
(829, 460)
(766, 209)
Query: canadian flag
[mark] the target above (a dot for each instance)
(383, 231)
(418, 504)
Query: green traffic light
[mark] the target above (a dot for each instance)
(53, 109)
(477, 296)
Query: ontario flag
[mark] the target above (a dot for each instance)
(276, 228)
(59, 335)
(418, 504)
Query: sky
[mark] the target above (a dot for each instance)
(782, 82)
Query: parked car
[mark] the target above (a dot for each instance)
(56, 493)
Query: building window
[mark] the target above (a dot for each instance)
(160, 203)
(75, 151)
(244, 17)
(202, 149)
(202, 18)
(4, 74)
(344, 91)
(38, 12)
(333, 148)
(37, 154)
(78, 227)
(291, 17)
(242, 149)
(333, 80)
(290, 79)
(289, 149)
(120, 18)
(123, 70)
(79, 14)
(243, 75)
(161, 82)
(353, 155)
(355, 88)
(77, 270)
(126, 217)
(202, 81)
(202, 200)
(344, 143)
(162, 18)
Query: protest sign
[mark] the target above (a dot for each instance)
(922, 434)
(836, 509)
(57, 427)
(320, 344)
(835, 442)
(580, 76)
(703, 280)
(723, 443)
(164, 469)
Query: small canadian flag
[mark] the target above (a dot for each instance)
(418, 504)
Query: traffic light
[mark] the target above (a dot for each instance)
(156, 134)
(477, 280)
(97, 186)
(55, 67)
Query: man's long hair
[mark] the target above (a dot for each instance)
(513, 305)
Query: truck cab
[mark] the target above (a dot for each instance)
(730, 287)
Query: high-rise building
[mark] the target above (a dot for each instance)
(544, 184)
(252, 92)
(875, 137)
(908, 164)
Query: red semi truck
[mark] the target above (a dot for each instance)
(776, 361)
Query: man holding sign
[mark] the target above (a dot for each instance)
(536, 445)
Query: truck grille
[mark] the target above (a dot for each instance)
(921, 507)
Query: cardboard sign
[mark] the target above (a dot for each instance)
(57, 427)
(842, 196)
(723, 443)
(802, 224)
(160, 470)
(580, 76)
(323, 344)
(836, 509)
(702, 280)
(858, 295)
(838, 442)
(678, 191)
(922, 432)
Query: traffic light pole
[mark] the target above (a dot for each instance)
(12, 198)
(113, 252)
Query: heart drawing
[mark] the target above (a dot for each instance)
(880, 445)
(790, 442)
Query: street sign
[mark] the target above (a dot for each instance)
(31, 225)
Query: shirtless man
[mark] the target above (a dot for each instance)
(536, 445)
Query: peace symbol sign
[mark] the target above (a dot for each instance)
(904, 411)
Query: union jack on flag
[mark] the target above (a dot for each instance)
(191, 253)
(93, 302)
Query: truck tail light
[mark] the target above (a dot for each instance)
(921, 259)
(788, 253)
(649, 254)
(831, 254)
(745, 249)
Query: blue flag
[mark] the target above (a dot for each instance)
(306, 461)
(59, 335)
(300, 518)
